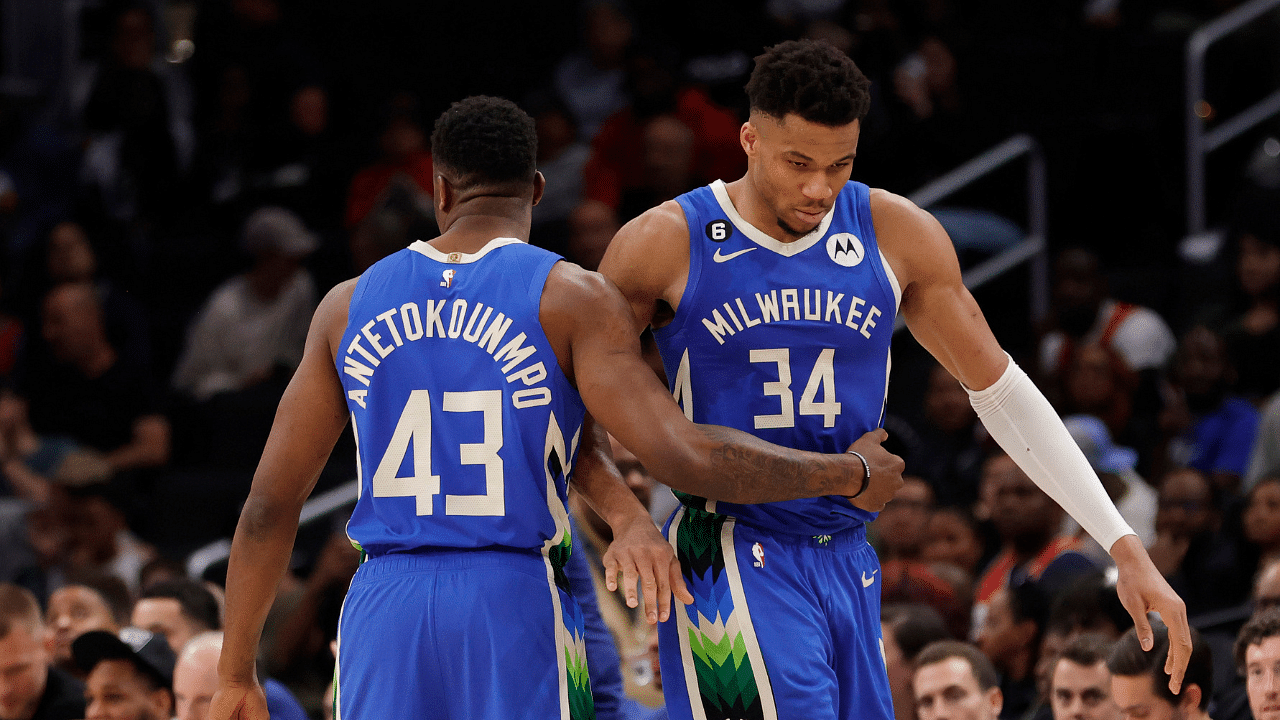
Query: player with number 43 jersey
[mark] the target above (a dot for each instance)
(465, 366)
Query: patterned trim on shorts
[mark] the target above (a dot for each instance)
(718, 646)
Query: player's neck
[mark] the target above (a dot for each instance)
(479, 220)
(753, 208)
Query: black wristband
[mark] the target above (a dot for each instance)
(866, 476)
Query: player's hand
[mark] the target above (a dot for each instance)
(641, 554)
(886, 471)
(1142, 589)
(239, 701)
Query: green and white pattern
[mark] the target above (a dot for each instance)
(723, 666)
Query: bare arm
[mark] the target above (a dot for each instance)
(149, 446)
(603, 359)
(310, 418)
(944, 317)
(638, 551)
(648, 260)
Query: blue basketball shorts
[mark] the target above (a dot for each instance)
(461, 634)
(783, 626)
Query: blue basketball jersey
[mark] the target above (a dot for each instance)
(466, 428)
(787, 341)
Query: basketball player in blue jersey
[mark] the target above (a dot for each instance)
(465, 366)
(773, 300)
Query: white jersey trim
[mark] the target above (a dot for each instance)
(760, 237)
(428, 250)
(893, 279)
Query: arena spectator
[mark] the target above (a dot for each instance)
(101, 540)
(592, 80)
(1203, 566)
(1032, 546)
(1206, 426)
(1253, 335)
(1262, 518)
(195, 680)
(401, 178)
(256, 321)
(130, 675)
(1257, 655)
(955, 681)
(78, 608)
(945, 446)
(899, 529)
(1266, 588)
(177, 610)
(1080, 688)
(1010, 636)
(136, 111)
(562, 154)
(1084, 313)
(30, 687)
(1140, 686)
(92, 393)
(618, 169)
(907, 628)
(952, 536)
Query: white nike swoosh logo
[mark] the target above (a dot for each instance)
(866, 581)
(722, 258)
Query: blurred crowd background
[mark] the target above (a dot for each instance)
(180, 181)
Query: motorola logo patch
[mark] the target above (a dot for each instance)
(845, 249)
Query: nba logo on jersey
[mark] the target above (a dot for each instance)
(757, 551)
(448, 278)
(845, 249)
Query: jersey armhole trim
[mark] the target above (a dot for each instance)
(693, 277)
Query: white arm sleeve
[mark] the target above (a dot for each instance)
(1023, 422)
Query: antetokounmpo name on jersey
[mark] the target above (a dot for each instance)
(389, 330)
(792, 304)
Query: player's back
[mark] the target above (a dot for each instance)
(465, 425)
(787, 341)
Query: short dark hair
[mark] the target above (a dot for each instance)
(487, 141)
(1086, 651)
(983, 671)
(1263, 625)
(197, 602)
(914, 626)
(1129, 659)
(812, 79)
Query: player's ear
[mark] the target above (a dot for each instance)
(748, 136)
(445, 195)
(539, 184)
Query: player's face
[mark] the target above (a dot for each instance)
(1082, 693)
(797, 167)
(948, 690)
(1136, 697)
(1262, 678)
(24, 670)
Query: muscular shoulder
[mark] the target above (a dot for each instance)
(330, 319)
(650, 254)
(578, 302)
(911, 239)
